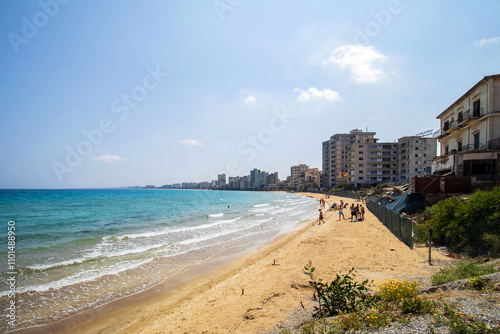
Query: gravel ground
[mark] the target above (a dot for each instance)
(471, 305)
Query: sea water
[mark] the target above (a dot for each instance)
(78, 249)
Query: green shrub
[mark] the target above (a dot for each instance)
(342, 295)
(471, 226)
(492, 244)
(461, 270)
(477, 284)
(421, 233)
(418, 305)
(462, 323)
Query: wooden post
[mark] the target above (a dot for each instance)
(430, 245)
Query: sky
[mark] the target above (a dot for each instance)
(123, 93)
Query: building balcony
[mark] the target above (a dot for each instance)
(469, 115)
(475, 146)
(441, 134)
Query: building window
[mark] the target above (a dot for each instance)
(360, 178)
(361, 159)
(360, 165)
(476, 108)
(416, 148)
(476, 141)
(459, 146)
(460, 117)
(446, 149)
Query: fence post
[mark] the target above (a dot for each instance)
(430, 245)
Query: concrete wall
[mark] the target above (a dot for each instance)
(440, 184)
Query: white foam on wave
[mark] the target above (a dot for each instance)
(103, 252)
(261, 205)
(218, 235)
(296, 213)
(83, 277)
(281, 210)
(57, 264)
(216, 215)
(171, 230)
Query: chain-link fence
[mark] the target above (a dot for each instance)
(347, 195)
(401, 227)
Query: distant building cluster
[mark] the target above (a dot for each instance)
(469, 139)
(256, 180)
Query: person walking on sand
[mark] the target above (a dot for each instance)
(362, 212)
(320, 217)
(341, 213)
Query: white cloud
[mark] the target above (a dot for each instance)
(314, 93)
(191, 142)
(109, 159)
(360, 60)
(249, 100)
(488, 41)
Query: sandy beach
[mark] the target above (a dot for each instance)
(256, 292)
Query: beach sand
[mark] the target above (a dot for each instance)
(251, 294)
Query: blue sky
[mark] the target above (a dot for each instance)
(118, 93)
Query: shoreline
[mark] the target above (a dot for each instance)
(246, 292)
(188, 275)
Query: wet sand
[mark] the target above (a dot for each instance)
(255, 292)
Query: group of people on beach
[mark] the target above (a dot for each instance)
(357, 211)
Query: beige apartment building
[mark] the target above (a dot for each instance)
(336, 155)
(297, 176)
(372, 162)
(470, 132)
(359, 158)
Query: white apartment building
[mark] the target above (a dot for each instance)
(470, 132)
(221, 179)
(415, 156)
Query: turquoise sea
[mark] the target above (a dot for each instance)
(78, 249)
